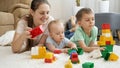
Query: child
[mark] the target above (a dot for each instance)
(56, 40)
(70, 27)
(85, 35)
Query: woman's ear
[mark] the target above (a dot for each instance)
(31, 12)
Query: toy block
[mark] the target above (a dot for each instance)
(102, 38)
(109, 48)
(38, 52)
(42, 52)
(70, 51)
(108, 42)
(106, 31)
(101, 43)
(113, 57)
(68, 64)
(80, 51)
(35, 53)
(88, 65)
(36, 31)
(74, 58)
(104, 52)
(107, 56)
(105, 26)
(57, 51)
(49, 58)
(112, 42)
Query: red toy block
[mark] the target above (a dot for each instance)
(36, 31)
(108, 42)
(48, 60)
(57, 51)
(105, 26)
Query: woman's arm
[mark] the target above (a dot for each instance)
(19, 39)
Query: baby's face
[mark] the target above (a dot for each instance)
(87, 21)
(57, 32)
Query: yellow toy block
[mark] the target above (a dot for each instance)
(113, 42)
(68, 64)
(101, 43)
(38, 52)
(102, 38)
(106, 31)
(42, 52)
(113, 57)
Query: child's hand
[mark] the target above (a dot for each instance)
(102, 48)
(65, 50)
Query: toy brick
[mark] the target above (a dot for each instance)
(36, 31)
(80, 51)
(57, 51)
(108, 42)
(49, 58)
(106, 31)
(42, 52)
(109, 48)
(74, 58)
(68, 64)
(105, 26)
(88, 65)
(70, 51)
(113, 57)
(104, 52)
(107, 56)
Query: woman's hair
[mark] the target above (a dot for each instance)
(34, 6)
(83, 11)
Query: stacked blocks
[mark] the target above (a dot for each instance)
(74, 54)
(38, 52)
(74, 58)
(106, 40)
(49, 58)
(88, 65)
(68, 64)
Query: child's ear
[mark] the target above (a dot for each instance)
(79, 22)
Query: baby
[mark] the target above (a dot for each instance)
(57, 40)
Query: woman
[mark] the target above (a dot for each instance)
(39, 15)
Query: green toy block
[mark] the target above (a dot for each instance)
(71, 51)
(104, 52)
(80, 51)
(109, 48)
(107, 56)
(88, 65)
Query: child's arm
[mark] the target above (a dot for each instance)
(86, 48)
(72, 45)
(52, 48)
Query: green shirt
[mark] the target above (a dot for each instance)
(81, 35)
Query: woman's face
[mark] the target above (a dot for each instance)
(41, 15)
